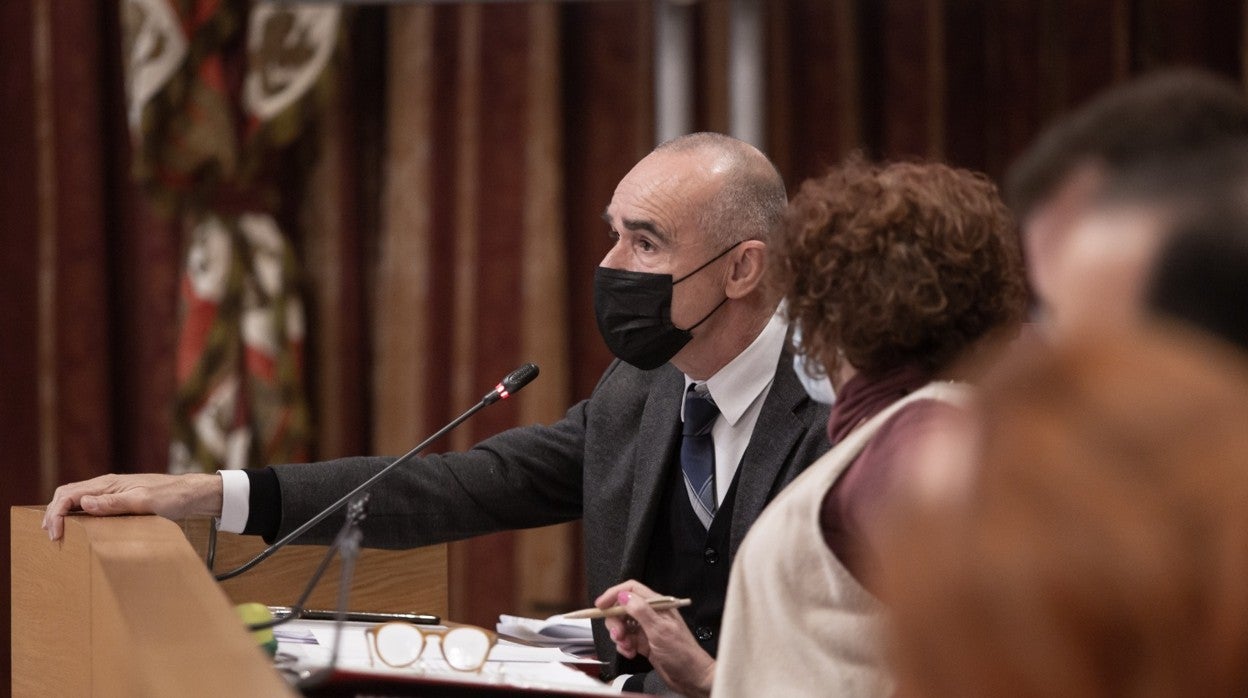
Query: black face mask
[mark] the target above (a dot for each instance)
(634, 313)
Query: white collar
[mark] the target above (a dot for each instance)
(739, 383)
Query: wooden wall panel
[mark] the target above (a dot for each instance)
(72, 196)
(1181, 32)
(711, 52)
(57, 416)
(1011, 83)
(1095, 47)
(816, 82)
(401, 279)
(547, 560)
(19, 357)
(144, 260)
(145, 257)
(608, 125)
(489, 207)
(489, 215)
(19, 437)
(339, 225)
(906, 36)
(966, 64)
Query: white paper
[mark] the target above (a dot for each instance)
(555, 631)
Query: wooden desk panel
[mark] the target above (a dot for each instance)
(385, 580)
(122, 607)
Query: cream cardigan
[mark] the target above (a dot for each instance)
(796, 623)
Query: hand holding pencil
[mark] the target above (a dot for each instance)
(657, 603)
(638, 625)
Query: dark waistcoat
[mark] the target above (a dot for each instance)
(688, 561)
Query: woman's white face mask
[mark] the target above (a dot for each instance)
(819, 388)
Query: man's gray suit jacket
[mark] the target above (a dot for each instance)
(604, 462)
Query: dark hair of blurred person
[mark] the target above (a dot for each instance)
(1156, 116)
(1201, 275)
(1154, 119)
(1100, 546)
(1127, 231)
(1184, 184)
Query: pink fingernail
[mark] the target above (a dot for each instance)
(623, 597)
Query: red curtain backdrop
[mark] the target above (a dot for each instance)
(451, 226)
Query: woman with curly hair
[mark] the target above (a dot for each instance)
(891, 272)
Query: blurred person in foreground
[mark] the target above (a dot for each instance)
(1100, 545)
(891, 273)
(1086, 261)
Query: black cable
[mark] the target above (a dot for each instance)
(211, 557)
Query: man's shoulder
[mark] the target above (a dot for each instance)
(622, 380)
(789, 391)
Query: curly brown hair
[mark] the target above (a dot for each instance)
(898, 264)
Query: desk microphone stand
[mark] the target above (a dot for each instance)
(348, 544)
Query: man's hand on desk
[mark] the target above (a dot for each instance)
(170, 496)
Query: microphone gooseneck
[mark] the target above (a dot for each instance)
(510, 384)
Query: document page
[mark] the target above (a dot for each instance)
(571, 635)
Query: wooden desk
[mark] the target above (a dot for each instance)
(123, 606)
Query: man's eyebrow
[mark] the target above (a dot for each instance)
(648, 226)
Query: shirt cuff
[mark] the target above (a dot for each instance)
(618, 682)
(235, 501)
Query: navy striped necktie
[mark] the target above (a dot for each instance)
(697, 453)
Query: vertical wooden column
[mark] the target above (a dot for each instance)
(56, 423)
(545, 557)
(339, 224)
(19, 357)
(466, 566)
(606, 125)
(815, 100)
(401, 291)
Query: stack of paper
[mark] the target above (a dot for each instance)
(571, 636)
(305, 646)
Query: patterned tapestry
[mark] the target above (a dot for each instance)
(218, 93)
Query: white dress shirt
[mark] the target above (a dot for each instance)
(739, 390)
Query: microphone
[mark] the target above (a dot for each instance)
(510, 385)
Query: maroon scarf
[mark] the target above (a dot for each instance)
(862, 397)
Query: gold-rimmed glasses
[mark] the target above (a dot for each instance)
(400, 645)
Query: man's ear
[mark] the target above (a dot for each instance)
(749, 261)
